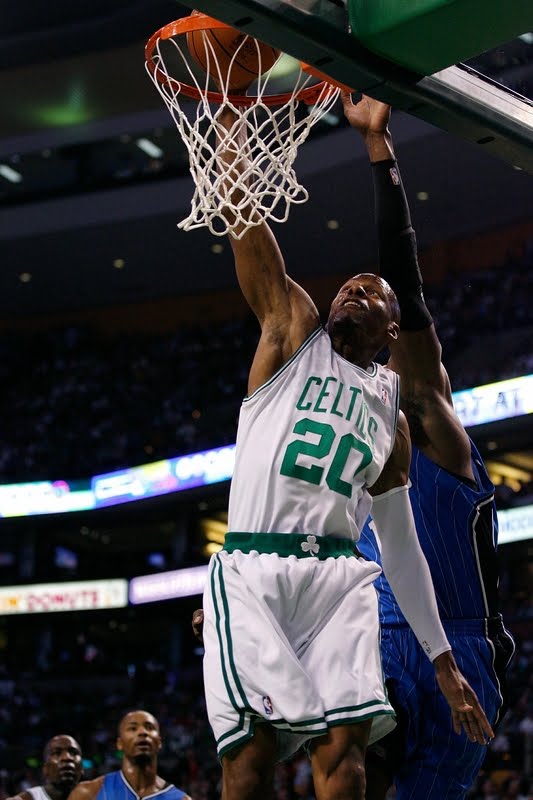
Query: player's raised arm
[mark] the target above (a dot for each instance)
(416, 355)
(286, 313)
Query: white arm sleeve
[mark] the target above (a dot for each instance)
(406, 569)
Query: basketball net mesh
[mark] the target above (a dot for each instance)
(265, 184)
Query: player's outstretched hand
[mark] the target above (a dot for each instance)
(368, 116)
(467, 713)
(198, 624)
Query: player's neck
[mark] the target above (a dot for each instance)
(352, 352)
(142, 778)
(57, 793)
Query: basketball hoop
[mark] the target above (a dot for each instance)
(267, 185)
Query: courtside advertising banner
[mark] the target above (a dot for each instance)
(168, 585)
(515, 524)
(495, 401)
(42, 598)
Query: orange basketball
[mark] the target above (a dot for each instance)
(252, 55)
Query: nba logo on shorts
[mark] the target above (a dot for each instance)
(394, 176)
(267, 703)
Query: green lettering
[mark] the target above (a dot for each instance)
(361, 417)
(336, 401)
(307, 386)
(354, 392)
(323, 393)
(372, 428)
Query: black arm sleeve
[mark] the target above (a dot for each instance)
(398, 262)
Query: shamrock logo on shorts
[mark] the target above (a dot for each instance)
(310, 546)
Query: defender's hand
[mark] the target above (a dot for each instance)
(464, 704)
(198, 624)
(368, 116)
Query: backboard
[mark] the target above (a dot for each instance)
(457, 99)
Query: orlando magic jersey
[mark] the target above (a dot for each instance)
(457, 527)
(116, 787)
(310, 441)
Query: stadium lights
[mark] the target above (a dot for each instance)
(10, 174)
(149, 148)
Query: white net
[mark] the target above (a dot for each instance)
(265, 185)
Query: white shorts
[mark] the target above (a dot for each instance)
(293, 642)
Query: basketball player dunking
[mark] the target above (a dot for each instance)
(286, 658)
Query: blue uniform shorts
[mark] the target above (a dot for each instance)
(424, 756)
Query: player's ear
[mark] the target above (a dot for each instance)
(393, 329)
(119, 744)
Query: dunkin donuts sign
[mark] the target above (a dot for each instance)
(68, 596)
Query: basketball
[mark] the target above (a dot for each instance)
(251, 57)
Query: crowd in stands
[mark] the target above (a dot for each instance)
(76, 402)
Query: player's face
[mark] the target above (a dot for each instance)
(63, 767)
(139, 735)
(364, 301)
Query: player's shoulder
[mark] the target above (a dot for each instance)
(173, 791)
(177, 793)
(22, 796)
(87, 790)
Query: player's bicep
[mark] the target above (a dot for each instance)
(282, 334)
(417, 357)
(261, 272)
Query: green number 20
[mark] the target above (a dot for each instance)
(321, 450)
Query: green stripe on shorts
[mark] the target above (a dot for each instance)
(300, 545)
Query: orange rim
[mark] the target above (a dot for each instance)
(200, 22)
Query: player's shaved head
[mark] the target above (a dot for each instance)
(137, 715)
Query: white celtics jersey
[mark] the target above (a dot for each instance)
(309, 442)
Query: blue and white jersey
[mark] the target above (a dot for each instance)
(116, 787)
(457, 527)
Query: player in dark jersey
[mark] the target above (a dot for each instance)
(139, 740)
(453, 503)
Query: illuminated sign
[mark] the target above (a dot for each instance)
(167, 585)
(489, 403)
(162, 477)
(43, 497)
(515, 524)
(68, 596)
(494, 401)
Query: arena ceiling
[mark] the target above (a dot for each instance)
(76, 97)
